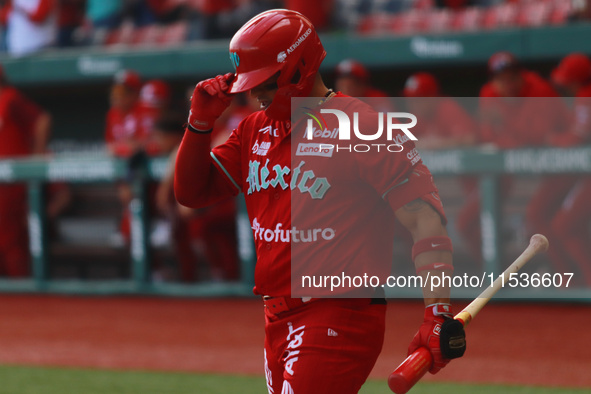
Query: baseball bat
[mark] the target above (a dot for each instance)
(415, 366)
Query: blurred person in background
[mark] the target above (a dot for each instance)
(24, 130)
(454, 4)
(168, 133)
(167, 11)
(445, 124)
(581, 10)
(154, 102)
(123, 121)
(519, 109)
(31, 25)
(195, 250)
(105, 14)
(318, 12)
(205, 23)
(71, 17)
(352, 79)
(214, 227)
(123, 136)
(139, 12)
(570, 225)
(221, 18)
(207, 236)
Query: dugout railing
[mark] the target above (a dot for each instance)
(487, 164)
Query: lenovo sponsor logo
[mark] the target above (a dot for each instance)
(312, 149)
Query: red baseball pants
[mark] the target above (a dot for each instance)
(328, 346)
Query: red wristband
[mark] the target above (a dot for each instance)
(431, 244)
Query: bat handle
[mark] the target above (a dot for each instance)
(410, 371)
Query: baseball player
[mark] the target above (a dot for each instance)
(153, 102)
(123, 135)
(312, 345)
(122, 132)
(352, 78)
(570, 225)
(24, 130)
(520, 109)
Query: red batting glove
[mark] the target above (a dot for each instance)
(209, 100)
(428, 334)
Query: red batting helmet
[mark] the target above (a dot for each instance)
(277, 41)
(502, 61)
(129, 79)
(155, 94)
(574, 68)
(421, 85)
(351, 67)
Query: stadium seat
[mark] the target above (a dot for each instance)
(173, 34)
(377, 24)
(408, 22)
(99, 36)
(423, 4)
(502, 15)
(120, 36)
(145, 35)
(436, 21)
(469, 19)
(560, 11)
(534, 13)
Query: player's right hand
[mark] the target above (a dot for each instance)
(435, 327)
(210, 98)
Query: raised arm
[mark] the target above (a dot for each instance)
(197, 181)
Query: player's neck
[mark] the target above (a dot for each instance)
(319, 89)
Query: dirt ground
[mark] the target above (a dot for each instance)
(533, 344)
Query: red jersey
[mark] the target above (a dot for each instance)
(528, 120)
(580, 132)
(449, 120)
(123, 131)
(533, 86)
(334, 211)
(147, 118)
(17, 119)
(373, 92)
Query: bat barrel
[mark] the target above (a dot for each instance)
(410, 371)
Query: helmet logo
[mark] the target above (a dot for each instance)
(234, 59)
(299, 41)
(281, 57)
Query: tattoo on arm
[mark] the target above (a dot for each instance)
(415, 205)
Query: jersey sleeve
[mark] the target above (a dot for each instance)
(460, 123)
(395, 165)
(227, 157)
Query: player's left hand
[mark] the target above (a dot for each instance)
(441, 334)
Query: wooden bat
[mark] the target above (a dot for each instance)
(417, 364)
